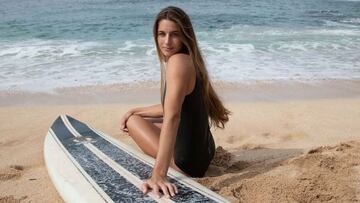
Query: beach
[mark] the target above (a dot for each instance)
(287, 70)
(291, 142)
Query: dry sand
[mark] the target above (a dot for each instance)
(278, 147)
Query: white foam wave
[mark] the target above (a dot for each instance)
(45, 48)
(352, 20)
(45, 65)
(343, 23)
(31, 64)
(240, 32)
(320, 47)
(282, 60)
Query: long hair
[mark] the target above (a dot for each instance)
(218, 114)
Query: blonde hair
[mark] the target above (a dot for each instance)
(218, 114)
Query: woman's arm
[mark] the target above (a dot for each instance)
(177, 80)
(154, 111)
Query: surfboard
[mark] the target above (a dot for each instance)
(87, 165)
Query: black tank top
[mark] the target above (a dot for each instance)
(194, 147)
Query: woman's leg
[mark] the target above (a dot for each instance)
(146, 134)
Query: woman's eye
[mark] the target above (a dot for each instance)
(161, 34)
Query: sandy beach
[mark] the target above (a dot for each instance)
(289, 71)
(284, 143)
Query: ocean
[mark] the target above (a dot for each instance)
(50, 44)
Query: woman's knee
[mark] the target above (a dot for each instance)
(132, 120)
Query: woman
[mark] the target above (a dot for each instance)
(183, 139)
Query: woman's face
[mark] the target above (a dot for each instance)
(168, 38)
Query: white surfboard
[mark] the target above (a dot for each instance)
(86, 165)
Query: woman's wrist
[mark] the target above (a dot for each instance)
(157, 175)
(157, 171)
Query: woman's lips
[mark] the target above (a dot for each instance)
(167, 49)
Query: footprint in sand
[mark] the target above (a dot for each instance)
(11, 172)
(11, 198)
(9, 143)
(221, 158)
(238, 166)
(250, 146)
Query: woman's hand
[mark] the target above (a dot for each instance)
(157, 183)
(124, 119)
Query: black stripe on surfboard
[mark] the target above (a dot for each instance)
(134, 165)
(111, 182)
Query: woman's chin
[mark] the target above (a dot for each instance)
(167, 55)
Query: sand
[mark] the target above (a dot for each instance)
(281, 144)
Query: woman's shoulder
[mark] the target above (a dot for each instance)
(179, 65)
(180, 59)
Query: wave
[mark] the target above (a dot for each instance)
(246, 30)
(37, 48)
(352, 20)
(256, 53)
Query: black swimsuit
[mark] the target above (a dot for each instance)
(194, 147)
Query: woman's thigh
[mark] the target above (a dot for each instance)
(145, 133)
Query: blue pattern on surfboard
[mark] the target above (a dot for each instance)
(134, 165)
(112, 183)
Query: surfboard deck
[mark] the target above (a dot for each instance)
(86, 165)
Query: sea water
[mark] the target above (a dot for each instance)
(48, 44)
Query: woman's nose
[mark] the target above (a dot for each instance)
(167, 39)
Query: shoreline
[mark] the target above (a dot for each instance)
(228, 92)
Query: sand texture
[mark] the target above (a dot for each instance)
(288, 150)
